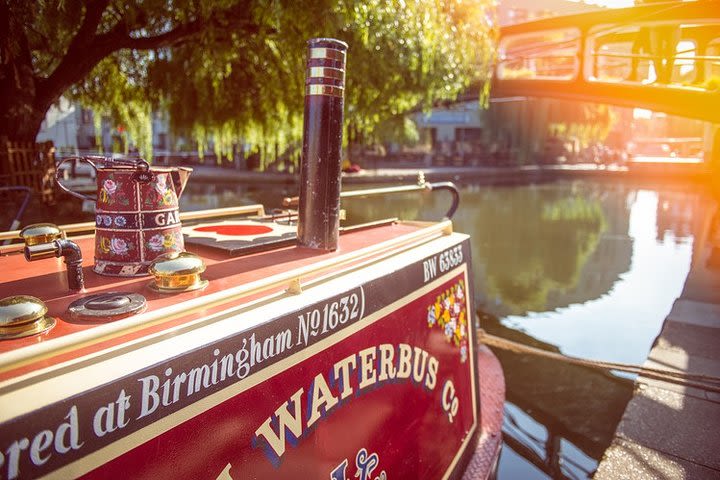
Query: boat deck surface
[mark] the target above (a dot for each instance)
(46, 279)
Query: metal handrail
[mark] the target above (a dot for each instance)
(449, 186)
(421, 186)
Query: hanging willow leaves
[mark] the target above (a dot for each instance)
(232, 71)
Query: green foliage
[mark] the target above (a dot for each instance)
(524, 263)
(241, 76)
(114, 93)
(399, 128)
(543, 254)
(588, 122)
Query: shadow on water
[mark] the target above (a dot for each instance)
(575, 404)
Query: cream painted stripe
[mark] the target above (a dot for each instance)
(125, 444)
(233, 312)
(24, 356)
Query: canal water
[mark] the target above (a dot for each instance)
(588, 269)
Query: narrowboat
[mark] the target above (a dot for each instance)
(237, 344)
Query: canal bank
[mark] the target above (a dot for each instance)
(668, 430)
(391, 173)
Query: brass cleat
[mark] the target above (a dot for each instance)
(22, 316)
(177, 272)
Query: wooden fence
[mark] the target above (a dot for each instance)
(29, 164)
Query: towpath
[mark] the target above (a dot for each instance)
(525, 173)
(670, 431)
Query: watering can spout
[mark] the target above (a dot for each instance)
(180, 176)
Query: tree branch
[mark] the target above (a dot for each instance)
(167, 39)
(79, 59)
(181, 34)
(93, 15)
(85, 52)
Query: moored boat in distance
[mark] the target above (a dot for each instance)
(259, 346)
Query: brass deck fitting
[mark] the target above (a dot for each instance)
(45, 240)
(38, 233)
(22, 316)
(177, 272)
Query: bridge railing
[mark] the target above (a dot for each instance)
(660, 56)
(669, 53)
(551, 54)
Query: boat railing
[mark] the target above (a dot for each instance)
(421, 186)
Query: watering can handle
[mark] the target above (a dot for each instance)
(63, 187)
(107, 162)
(127, 162)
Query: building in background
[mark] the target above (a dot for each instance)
(71, 128)
(61, 126)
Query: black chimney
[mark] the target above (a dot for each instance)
(319, 209)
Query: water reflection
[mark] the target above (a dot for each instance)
(534, 243)
(537, 247)
(560, 417)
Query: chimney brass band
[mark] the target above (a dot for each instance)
(327, 54)
(326, 72)
(322, 78)
(329, 90)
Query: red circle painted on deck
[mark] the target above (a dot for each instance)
(236, 230)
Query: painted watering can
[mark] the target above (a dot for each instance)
(136, 213)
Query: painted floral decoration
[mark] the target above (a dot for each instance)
(119, 246)
(156, 243)
(108, 190)
(116, 246)
(164, 242)
(110, 187)
(449, 314)
(162, 194)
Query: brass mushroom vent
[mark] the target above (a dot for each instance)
(177, 272)
(22, 316)
(40, 233)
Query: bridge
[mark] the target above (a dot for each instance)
(662, 56)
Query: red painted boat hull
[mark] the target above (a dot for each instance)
(372, 372)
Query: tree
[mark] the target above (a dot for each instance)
(588, 122)
(232, 69)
